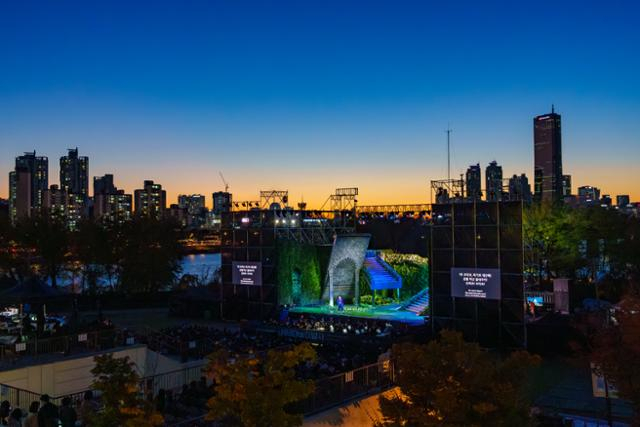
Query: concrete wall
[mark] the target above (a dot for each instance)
(71, 375)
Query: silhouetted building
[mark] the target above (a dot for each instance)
(27, 182)
(194, 208)
(474, 182)
(519, 188)
(547, 140)
(622, 200)
(74, 173)
(493, 178)
(109, 203)
(4, 209)
(605, 200)
(151, 200)
(61, 204)
(178, 213)
(103, 184)
(566, 185)
(221, 202)
(588, 195)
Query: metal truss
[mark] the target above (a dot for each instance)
(398, 209)
(268, 197)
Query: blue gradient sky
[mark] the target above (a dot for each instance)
(309, 96)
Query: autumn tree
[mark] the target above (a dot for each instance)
(117, 382)
(449, 382)
(616, 350)
(259, 391)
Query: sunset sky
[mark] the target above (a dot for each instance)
(312, 95)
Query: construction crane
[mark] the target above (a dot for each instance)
(226, 184)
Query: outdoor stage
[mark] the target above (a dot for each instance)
(390, 312)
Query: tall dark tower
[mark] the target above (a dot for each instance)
(74, 173)
(547, 141)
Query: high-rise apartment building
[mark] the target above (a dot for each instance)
(547, 141)
(151, 200)
(74, 173)
(109, 203)
(194, 208)
(588, 195)
(221, 202)
(493, 182)
(27, 183)
(519, 188)
(474, 182)
(67, 207)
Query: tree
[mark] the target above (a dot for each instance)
(90, 243)
(551, 233)
(449, 382)
(616, 350)
(117, 382)
(49, 237)
(10, 264)
(150, 258)
(259, 391)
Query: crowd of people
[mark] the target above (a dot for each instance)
(44, 413)
(341, 325)
(192, 341)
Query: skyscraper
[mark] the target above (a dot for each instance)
(151, 200)
(109, 203)
(519, 188)
(27, 183)
(493, 179)
(221, 202)
(74, 173)
(194, 207)
(547, 141)
(566, 185)
(474, 182)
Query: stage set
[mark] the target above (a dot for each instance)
(358, 283)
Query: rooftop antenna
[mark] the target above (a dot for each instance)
(226, 184)
(553, 109)
(448, 131)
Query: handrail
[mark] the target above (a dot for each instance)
(389, 269)
(360, 378)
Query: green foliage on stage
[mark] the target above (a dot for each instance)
(413, 269)
(299, 272)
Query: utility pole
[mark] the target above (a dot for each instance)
(448, 131)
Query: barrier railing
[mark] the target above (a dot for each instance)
(35, 347)
(330, 391)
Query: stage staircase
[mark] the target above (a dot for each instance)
(417, 303)
(381, 275)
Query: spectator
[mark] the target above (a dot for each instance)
(32, 418)
(5, 410)
(48, 413)
(68, 416)
(88, 408)
(15, 419)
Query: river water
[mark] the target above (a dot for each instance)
(202, 266)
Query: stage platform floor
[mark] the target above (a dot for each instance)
(384, 312)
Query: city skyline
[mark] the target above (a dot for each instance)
(309, 98)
